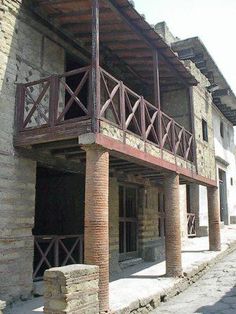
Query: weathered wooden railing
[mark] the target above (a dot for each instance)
(191, 224)
(53, 250)
(47, 103)
(132, 113)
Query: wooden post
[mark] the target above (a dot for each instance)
(95, 110)
(157, 100)
(54, 98)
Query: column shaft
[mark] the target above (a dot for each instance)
(213, 219)
(96, 232)
(173, 227)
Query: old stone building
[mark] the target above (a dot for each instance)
(223, 121)
(102, 128)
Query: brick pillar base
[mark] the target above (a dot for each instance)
(173, 227)
(96, 241)
(213, 219)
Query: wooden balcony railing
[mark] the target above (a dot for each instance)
(47, 103)
(132, 113)
(191, 224)
(53, 250)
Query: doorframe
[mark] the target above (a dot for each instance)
(225, 217)
(133, 254)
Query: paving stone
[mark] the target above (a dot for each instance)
(214, 293)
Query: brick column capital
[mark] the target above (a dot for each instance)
(93, 147)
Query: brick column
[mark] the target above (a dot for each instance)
(173, 227)
(96, 235)
(213, 219)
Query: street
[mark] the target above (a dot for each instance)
(214, 293)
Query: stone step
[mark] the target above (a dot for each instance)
(130, 262)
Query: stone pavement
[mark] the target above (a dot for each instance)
(214, 293)
(141, 288)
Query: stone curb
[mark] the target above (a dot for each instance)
(2, 306)
(148, 304)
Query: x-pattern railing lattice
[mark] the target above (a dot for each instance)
(191, 220)
(46, 102)
(132, 113)
(57, 251)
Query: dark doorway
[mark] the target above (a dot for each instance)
(223, 197)
(73, 82)
(59, 219)
(128, 222)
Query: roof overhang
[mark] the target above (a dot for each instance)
(223, 96)
(123, 32)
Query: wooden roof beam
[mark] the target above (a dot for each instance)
(136, 29)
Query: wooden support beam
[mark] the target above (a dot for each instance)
(95, 66)
(140, 33)
(57, 145)
(156, 77)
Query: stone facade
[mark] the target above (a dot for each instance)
(29, 51)
(71, 289)
(202, 110)
(17, 175)
(151, 241)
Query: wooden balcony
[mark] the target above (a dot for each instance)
(50, 110)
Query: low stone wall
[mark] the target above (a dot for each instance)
(71, 289)
(2, 306)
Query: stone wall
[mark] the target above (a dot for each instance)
(176, 105)
(183, 211)
(114, 225)
(17, 175)
(26, 54)
(151, 244)
(2, 307)
(202, 109)
(71, 289)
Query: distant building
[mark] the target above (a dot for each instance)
(224, 120)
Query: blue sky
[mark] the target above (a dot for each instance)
(214, 21)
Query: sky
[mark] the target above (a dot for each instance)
(214, 21)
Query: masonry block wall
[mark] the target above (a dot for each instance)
(151, 245)
(176, 105)
(25, 55)
(202, 110)
(183, 211)
(114, 225)
(71, 289)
